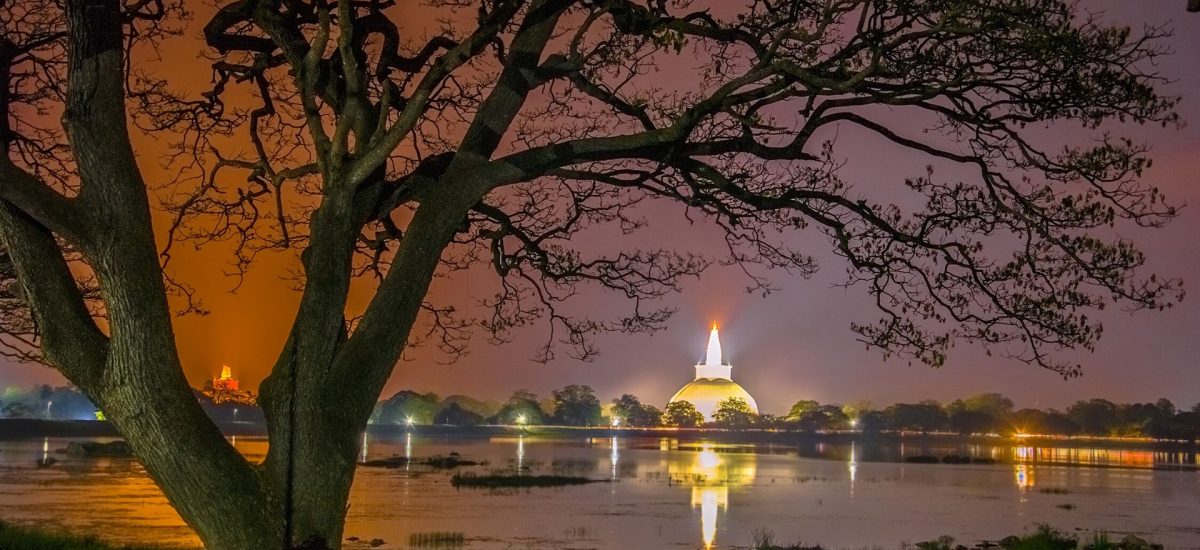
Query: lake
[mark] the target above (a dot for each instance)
(664, 492)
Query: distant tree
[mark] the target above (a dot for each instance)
(920, 417)
(17, 409)
(455, 415)
(733, 413)
(229, 411)
(855, 409)
(682, 414)
(800, 408)
(1165, 407)
(522, 405)
(819, 418)
(994, 405)
(576, 405)
(769, 421)
(967, 422)
(872, 422)
(1094, 416)
(407, 405)
(481, 408)
(633, 412)
(1183, 426)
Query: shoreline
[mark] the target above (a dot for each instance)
(30, 428)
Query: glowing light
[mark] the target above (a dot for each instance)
(708, 459)
(616, 422)
(853, 422)
(521, 419)
(1024, 476)
(614, 456)
(408, 420)
(713, 355)
(520, 453)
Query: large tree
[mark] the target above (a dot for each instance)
(378, 149)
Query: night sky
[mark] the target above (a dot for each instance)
(795, 343)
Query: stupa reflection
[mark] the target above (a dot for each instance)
(710, 473)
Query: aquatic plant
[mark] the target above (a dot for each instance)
(437, 539)
(499, 481)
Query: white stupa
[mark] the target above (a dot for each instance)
(714, 382)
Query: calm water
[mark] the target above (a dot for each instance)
(666, 494)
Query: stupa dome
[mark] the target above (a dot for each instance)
(713, 383)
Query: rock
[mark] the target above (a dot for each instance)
(1010, 541)
(375, 543)
(93, 449)
(47, 462)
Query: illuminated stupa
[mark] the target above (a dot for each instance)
(713, 383)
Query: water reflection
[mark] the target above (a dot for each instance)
(852, 465)
(614, 456)
(1024, 473)
(520, 452)
(710, 473)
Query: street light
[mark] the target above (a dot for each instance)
(616, 422)
(520, 419)
(408, 421)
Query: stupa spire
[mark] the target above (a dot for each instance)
(714, 365)
(713, 357)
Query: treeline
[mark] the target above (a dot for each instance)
(68, 403)
(45, 401)
(986, 413)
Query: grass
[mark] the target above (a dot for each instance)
(437, 539)
(504, 481)
(27, 538)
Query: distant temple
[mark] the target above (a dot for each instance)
(224, 389)
(713, 383)
(226, 382)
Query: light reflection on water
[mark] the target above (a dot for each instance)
(666, 492)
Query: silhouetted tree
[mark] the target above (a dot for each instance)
(515, 126)
(682, 414)
(408, 405)
(802, 407)
(1094, 416)
(733, 413)
(455, 415)
(481, 408)
(633, 412)
(522, 405)
(872, 422)
(576, 405)
(919, 417)
(967, 422)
